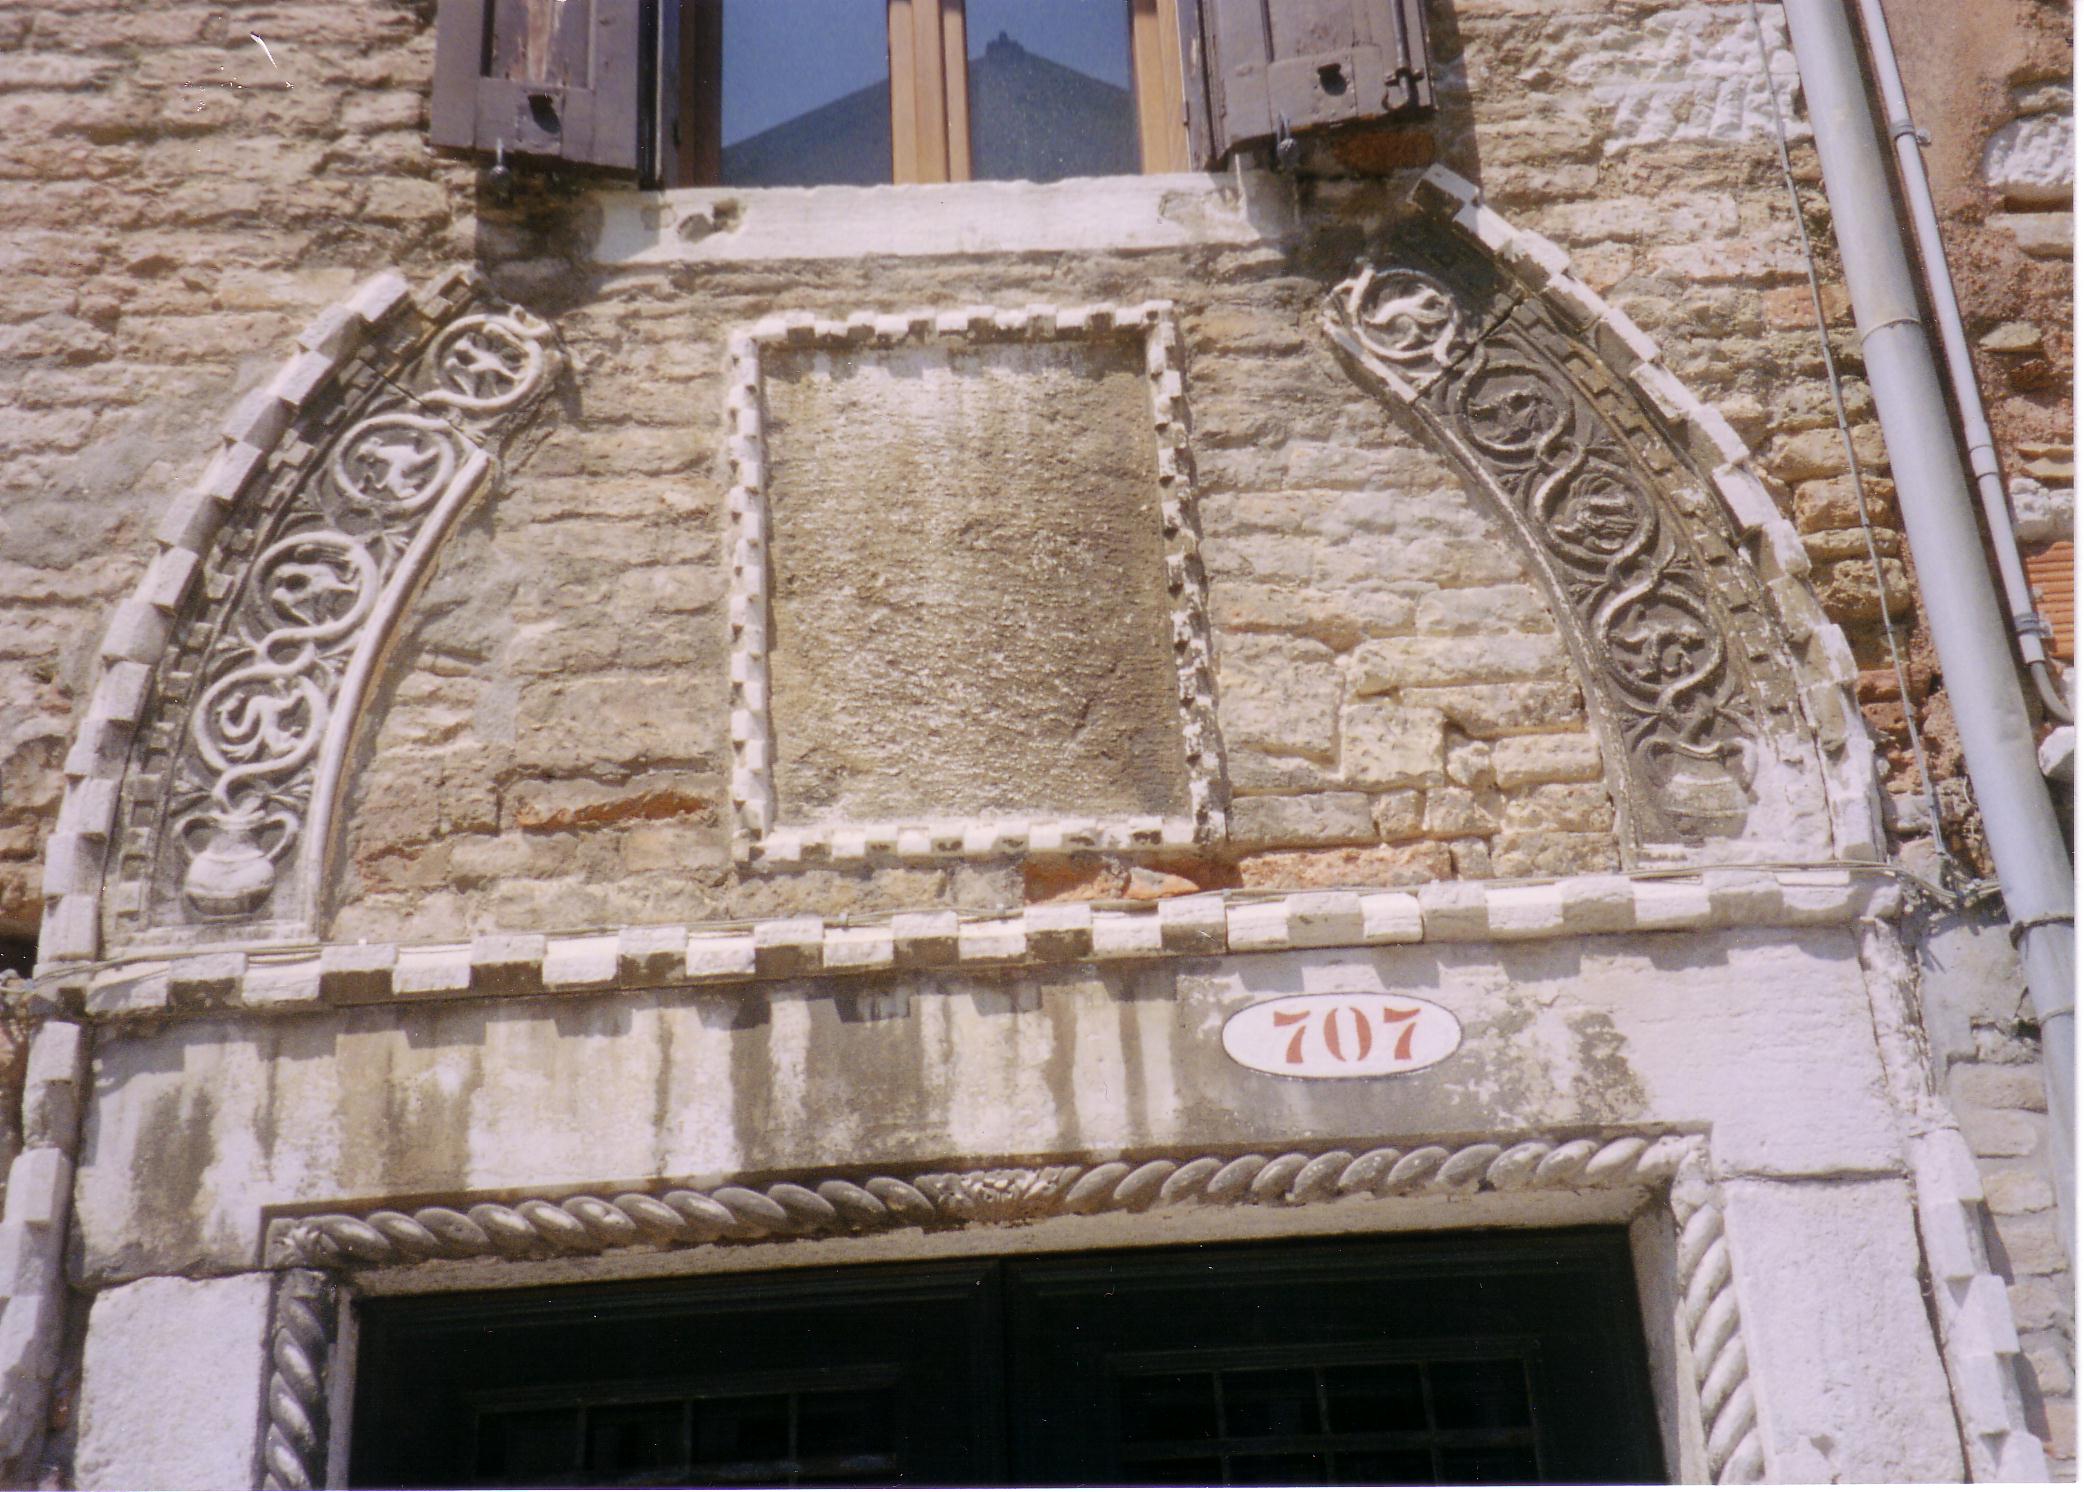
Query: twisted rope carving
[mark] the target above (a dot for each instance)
(736, 1214)
(1729, 1416)
(293, 1450)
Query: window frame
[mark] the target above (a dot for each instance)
(930, 93)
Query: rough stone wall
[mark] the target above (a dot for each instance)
(555, 752)
(178, 205)
(1991, 83)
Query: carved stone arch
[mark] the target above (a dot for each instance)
(1720, 690)
(202, 786)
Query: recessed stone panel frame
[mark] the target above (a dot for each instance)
(1656, 1181)
(758, 834)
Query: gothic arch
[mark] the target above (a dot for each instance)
(204, 781)
(1718, 686)
(202, 785)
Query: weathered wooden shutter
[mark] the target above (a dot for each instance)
(1274, 67)
(560, 78)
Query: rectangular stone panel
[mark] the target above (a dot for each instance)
(961, 571)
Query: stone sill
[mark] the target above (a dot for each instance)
(714, 225)
(1210, 924)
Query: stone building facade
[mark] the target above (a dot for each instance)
(612, 736)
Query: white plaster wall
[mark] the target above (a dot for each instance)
(197, 1127)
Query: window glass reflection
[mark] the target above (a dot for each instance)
(1049, 90)
(806, 92)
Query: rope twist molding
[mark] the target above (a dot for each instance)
(1671, 1163)
(293, 1448)
(685, 1217)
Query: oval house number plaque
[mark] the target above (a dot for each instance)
(1355, 1035)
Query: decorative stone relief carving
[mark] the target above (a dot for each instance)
(240, 748)
(1531, 417)
(293, 1447)
(1671, 1166)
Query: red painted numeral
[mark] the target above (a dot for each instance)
(1294, 1018)
(1391, 1017)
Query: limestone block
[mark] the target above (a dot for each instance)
(1575, 807)
(1484, 610)
(788, 947)
(1127, 935)
(1530, 759)
(2042, 514)
(171, 1388)
(1325, 919)
(986, 940)
(36, 1186)
(1454, 911)
(356, 973)
(1193, 924)
(1059, 932)
(31, 1330)
(1258, 924)
(1387, 744)
(121, 694)
(1399, 814)
(2033, 161)
(728, 957)
(1491, 710)
(1280, 694)
(128, 990)
(1598, 904)
(1391, 917)
(857, 948)
(52, 1090)
(1388, 663)
(1452, 811)
(507, 963)
(583, 962)
(431, 973)
(205, 978)
(925, 939)
(1347, 865)
(1306, 818)
(286, 983)
(1681, 73)
(1843, 1361)
(2040, 235)
(1525, 911)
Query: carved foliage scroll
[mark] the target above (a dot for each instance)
(226, 798)
(1498, 387)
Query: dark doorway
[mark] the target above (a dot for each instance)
(1447, 1358)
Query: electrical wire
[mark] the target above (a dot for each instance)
(1949, 866)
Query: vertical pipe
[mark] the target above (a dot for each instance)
(1968, 627)
(1953, 340)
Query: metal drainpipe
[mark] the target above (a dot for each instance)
(1968, 629)
(2027, 626)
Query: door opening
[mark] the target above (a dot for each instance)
(1434, 1359)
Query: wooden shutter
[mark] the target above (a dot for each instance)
(1301, 65)
(558, 78)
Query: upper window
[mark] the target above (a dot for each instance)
(810, 92)
(904, 90)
